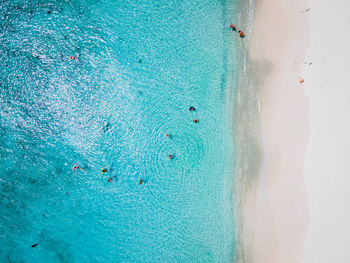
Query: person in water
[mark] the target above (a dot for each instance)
(241, 34)
(110, 179)
(233, 27)
(104, 170)
(192, 108)
(195, 120)
(140, 181)
(76, 167)
(73, 58)
(106, 127)
(167, 135)
(170, 156)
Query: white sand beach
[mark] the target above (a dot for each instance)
(296, 208)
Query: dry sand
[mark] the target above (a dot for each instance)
(327, 165)
(293, 179)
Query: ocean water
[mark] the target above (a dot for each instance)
(140, 66)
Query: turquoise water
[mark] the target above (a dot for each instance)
(139, 67)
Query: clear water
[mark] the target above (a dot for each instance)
(140, 65)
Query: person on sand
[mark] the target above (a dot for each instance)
(76, 166)
(301, 81)
(104, 170)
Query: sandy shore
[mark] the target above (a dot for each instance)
(279, 201)
(280, 210)
(274, 206)
(284, 173)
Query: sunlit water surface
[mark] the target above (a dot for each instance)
(140, 66)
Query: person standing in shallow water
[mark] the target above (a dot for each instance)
(241, 34)
(233, 27)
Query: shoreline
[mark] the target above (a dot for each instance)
(271, 137)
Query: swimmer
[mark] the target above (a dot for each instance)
(192, 108)
(140, 181)
(104, 170)
(195, 120)
(72, 58)
(233, 27)
(76, 166)
(241, 34)
(106, 127)
(167, 135)
(170, 156)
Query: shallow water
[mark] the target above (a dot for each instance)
(139, 67)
